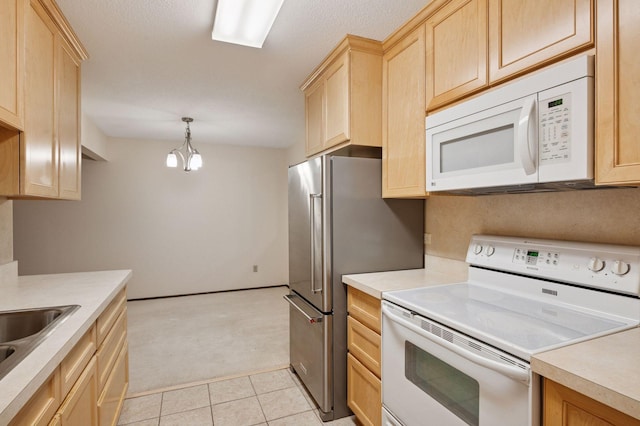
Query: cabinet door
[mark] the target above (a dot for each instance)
(364, 393)
(456, 37)
(112, 397)
(617, 89)
(39, 146)
(11, 62)
(314, 110)
(80, 408)
(337, 102)
(42, 406)
(529, 33)
(68, 113)
(403, 126)
(564, 407)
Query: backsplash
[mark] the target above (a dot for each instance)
(606, 215)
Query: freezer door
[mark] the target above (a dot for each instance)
(306, 241)
(310, 349)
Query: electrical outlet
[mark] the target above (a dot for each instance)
(255, 268)
(427, 239)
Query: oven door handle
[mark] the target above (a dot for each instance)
(512, 372)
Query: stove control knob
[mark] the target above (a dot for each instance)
(490, 250)
(595, 264)
(619, 267)
(477, 249)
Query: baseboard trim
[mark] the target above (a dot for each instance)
(207, 292)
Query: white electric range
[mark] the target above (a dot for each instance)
(459, 354)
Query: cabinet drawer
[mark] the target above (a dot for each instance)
(77, 360)
(364, 393)
(364, 308)
(42, 406)
(364, 344)
(110, 315)
(112, 396)
(110, 348)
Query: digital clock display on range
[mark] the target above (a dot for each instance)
(532, 253)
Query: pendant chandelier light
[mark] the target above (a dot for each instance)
(191, 159)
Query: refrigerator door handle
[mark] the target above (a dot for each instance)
(312, 204)
(312, 319)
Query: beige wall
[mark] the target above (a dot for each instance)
(6, 231)
(296, 153)
(609, 215)
(180, 233)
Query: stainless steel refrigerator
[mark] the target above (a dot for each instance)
(339, 224)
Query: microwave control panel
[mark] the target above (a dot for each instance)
(555, 129)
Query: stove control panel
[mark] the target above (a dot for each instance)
(609, 267)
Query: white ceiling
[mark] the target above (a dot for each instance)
(152, 62)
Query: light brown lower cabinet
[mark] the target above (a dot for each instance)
(566, 407)
(364, 393)
(89, 385)
(43, 404)
(364, 387)
(114, 391)
(79, 408)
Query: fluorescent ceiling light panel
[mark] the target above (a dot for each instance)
(245, 22)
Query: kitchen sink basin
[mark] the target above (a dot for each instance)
(21, 331)
(6, 351)
(16, 325)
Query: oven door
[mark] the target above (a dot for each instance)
(432, 372)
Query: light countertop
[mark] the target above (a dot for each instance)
(438, 271)
(605, 369)
(93, 291)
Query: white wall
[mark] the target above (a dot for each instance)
(6, 231)
(296, 153)
(180, 233)
(94, 141)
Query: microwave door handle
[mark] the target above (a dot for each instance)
(512, 372)
(526, 136)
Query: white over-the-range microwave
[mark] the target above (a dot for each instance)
(534, 134)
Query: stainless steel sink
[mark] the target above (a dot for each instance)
(6, 351)
(21, 331)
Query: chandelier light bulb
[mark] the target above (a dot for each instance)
(196, 161)
(172, 160)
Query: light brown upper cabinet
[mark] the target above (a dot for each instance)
(474, 44)
(527, 34)
(403, 126)
(11, 63)
(343, 97)
(617, 89)
(68, 114)
(456, 40)
(44, 159)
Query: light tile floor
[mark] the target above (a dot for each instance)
(274, 398)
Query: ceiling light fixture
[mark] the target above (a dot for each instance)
(245, 22)
(191, 159)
